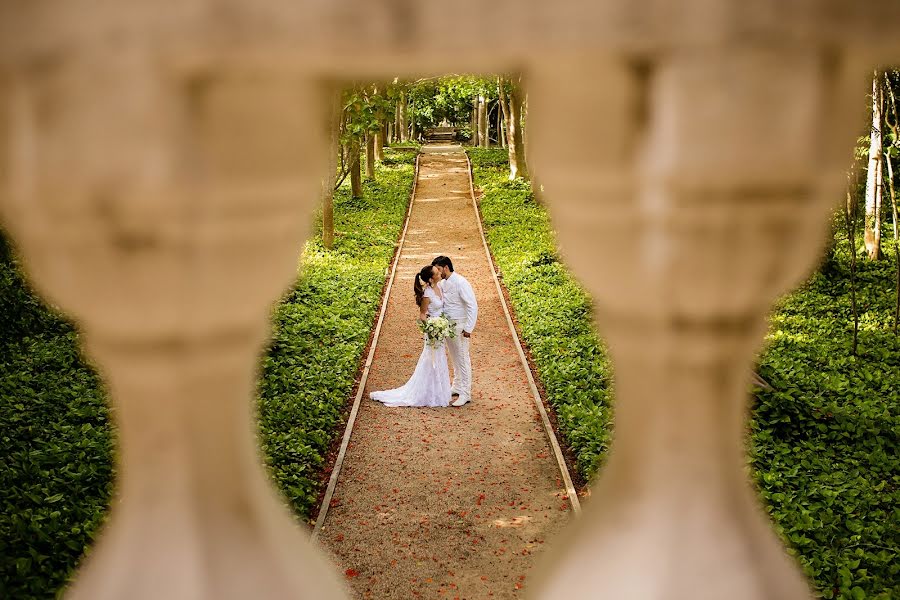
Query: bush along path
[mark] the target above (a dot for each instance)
(321, 329)
(446, 502)
(55, 442)
(823, 443)
(56, 464)
(553, 313)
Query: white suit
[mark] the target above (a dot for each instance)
(460, 305)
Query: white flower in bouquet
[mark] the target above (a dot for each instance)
(437, 329)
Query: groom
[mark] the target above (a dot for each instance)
(459, 305)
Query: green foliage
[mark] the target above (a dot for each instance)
(364, 108)
(448, 98)
(56, 457)
(322, 326)
(409, 147)
(55, 462)
(21, 313)
(823, 444)
(493, 158)
(554, 313)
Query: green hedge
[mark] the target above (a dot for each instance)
(823, 445)
(825, 441)
(322, 327)
(55, 459)
(553, 312)
(55, 443)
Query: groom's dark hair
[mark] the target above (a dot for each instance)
(443, 261)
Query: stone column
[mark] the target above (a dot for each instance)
(165, 211)
(698, 191)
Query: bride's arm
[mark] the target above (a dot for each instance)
(423, 308)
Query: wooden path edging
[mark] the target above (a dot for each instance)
(351, 420)
(548, 427)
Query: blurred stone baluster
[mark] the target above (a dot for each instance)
(690, 189)
(166, 211)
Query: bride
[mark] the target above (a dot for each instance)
(430, 382)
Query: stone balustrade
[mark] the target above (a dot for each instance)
(159, 169)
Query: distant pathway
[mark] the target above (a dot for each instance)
(445, 502)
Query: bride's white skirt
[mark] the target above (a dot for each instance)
(428, 386)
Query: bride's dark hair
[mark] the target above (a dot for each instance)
(421, 280)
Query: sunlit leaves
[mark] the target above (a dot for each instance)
(55, 440)
(552, 311)
(823, 442)
(321, 328)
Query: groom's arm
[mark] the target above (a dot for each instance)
(467, 295)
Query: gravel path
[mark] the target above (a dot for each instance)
(445, 502)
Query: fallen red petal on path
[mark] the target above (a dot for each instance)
(438, 463)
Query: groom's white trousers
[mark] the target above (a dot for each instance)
(462, 365)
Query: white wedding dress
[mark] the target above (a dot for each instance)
(430, 382)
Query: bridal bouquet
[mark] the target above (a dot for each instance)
(438, 329)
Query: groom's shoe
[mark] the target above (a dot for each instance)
(461, 401)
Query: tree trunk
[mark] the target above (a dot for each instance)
(328, 203)
(483, 139)
(474, 140)
(850, 222)
(478, 120)
(523, 126)
(355, 170)
(379, 133)
(515, 131)
(895, 129)
(335, 149)
(510, 136)
(890, 170)
(411, 116)
(402, 124)
(389, 136)
(379, 143)
(874, 176)
(501, 137)
(370, 155)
